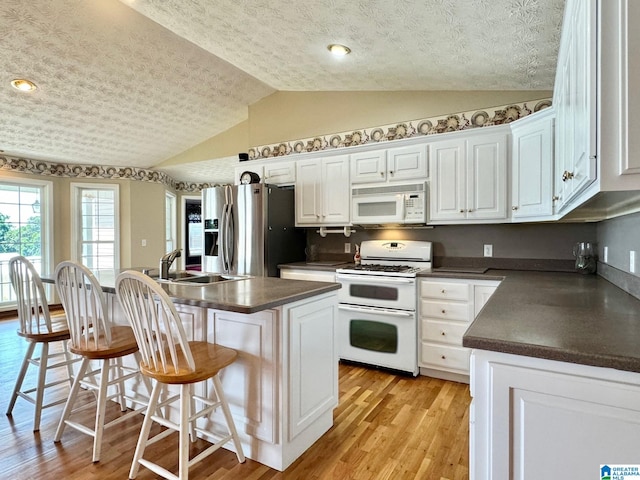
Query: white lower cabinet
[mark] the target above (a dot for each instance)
(531, 416)
(311, 275)
(446, 308)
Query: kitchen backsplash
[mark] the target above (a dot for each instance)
(529, 246)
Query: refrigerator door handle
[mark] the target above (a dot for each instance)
(224, 227)
(230, 237)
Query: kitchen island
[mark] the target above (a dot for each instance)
(555, 377)
(283, 387)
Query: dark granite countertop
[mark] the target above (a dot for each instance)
(242, 296)
(568, 317)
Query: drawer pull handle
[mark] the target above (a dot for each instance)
(442, 291)
(443, 334)
(443, 357)
(444, 311)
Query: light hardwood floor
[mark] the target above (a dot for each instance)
(386, 427)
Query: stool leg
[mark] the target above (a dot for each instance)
(227, 415)
(71, 400)
(145, 429)
(23, 371)
(185, 427)
(42, 376)
(100, 409)
(69, 359)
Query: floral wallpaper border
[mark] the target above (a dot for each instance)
(428, 126)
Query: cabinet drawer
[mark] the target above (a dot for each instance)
(443, 357)
(446, 291)
(443, 332)
(445, 310)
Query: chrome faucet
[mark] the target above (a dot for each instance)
(166, 261)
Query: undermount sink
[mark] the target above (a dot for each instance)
(197, 278)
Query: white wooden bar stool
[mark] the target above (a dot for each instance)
(38, 327)
(95, 338)
(169, 359)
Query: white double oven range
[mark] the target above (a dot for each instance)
(378, 322)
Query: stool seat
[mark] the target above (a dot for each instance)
(209, 359)
(123, 342)
(59, 330)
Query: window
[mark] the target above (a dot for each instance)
(96, 224)
(170, 225)
(24, 229)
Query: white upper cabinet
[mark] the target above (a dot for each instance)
(280, 173)
(322, 191)
(388, 165)
(469, 178)
(574, 100)
(531, 167)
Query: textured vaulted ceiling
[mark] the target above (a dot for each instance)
(134, 82)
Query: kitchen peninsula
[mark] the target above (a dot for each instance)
(284, 386)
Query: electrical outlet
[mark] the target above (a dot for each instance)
(143, 243)
(347, 248)
(632, 261)
(605, 254)
(488, 250)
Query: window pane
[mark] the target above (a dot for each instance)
(98, 229)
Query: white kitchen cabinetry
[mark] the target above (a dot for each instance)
(532, 167)
(389, 165)
(279, 173)
(309, 275)
(322, 191)
(446, 307)
(468, 178)
(597, 99)
(273, 172)
(531, 416)
(574, 100)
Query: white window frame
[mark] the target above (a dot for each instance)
(76, 221)
(46, 225)
(171, 221)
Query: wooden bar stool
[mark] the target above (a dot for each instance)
(38, 327)
(95, 338)
(169, 359)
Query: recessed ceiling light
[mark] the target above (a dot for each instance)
(23, 85)
(339, 50)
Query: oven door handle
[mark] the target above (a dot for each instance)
(378, 311)
(373, 278)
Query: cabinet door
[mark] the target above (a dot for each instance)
(336, 190)
(448, 187)
(481, 295)
(531, 175)
(308, 195)
(369, 167)
(575, 102)
(280, 173)
(313, 362)
(406, 163)
(250, 382)
(487, 177)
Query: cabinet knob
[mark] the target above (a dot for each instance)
(470, 210)
(443, 357)
(382, 174)
(461, 210)
(442, 291)
(514, 208)
(555, 198)
(442, 333)
(391, 172)
(444, 311)
(567, 176)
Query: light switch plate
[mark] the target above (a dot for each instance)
(347, 248)
(488, 250)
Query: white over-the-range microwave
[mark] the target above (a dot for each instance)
(402, 203)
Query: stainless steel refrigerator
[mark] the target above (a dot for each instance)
(249, 229)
